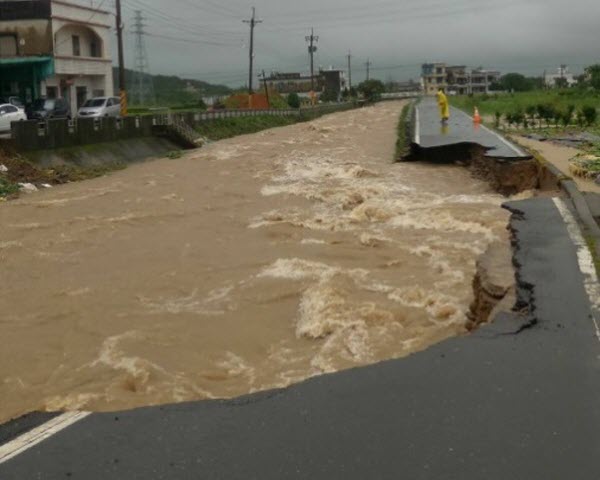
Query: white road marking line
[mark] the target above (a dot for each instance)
(39, 434)
(585, 260)
(417, 127)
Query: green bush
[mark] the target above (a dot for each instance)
(329, 96)
(372, 89)
(589, 114)
(8, 188)
(293, 100)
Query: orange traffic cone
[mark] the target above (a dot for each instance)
(476, 116)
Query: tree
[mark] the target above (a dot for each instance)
(589, 114)
(372, 89)
(515, 82)
(531, 111)
(293, 100)
(561, 83)
(593, 76)
(329, 95)
(546, 112)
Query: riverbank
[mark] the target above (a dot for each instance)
(40, 169)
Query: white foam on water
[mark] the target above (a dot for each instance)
(313, 241)
(215, 303)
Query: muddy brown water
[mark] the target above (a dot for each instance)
(250, 264)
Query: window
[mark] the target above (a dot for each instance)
(11, 109)
(94, 50)
(8, 46)
(51, 92)
(76, 46)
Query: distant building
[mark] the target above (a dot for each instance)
(457, 79)
(562, 78)
(286, 83)
(403, 87)
(333, 80)
(54, 49)
(433, 77)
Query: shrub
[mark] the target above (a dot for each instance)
(329, 95)
(589, 114)
(518, 117)
(372, 89)
(293, 100)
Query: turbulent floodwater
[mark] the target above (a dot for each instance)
(253, 263)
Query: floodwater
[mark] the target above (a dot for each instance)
(250, 264)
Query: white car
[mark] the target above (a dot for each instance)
(9, 114)
(100, 107)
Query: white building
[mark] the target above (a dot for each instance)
(562, 78)
(457, 79)
(54, 48)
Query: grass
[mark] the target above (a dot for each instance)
(8, 188)
(222, 128)
(506, 103)
(402, 144)
(592, 245)
(174, 155)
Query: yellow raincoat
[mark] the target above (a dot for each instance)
(444, 105)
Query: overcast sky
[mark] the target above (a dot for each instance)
(207, 39)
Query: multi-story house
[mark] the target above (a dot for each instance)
(457, 80)
(433, 77)
(54, 49)
(286, 83)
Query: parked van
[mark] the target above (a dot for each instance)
(100, 107)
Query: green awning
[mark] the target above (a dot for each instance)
(43, 66)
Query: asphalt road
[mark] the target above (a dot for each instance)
(520, 399)
(429, 132)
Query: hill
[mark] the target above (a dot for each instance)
(173, 90)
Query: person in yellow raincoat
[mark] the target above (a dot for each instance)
(444, 105)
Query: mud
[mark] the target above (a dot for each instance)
(494, 285)
(251, 264)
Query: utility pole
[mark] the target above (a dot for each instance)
(264, 77)
(312, 39)
(368, 65)
(349, 70)
(252, 22)
(122, 86)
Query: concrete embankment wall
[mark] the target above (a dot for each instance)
(32, 136)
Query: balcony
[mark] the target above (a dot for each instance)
(65, 65)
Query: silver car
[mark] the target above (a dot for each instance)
(100, 107)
